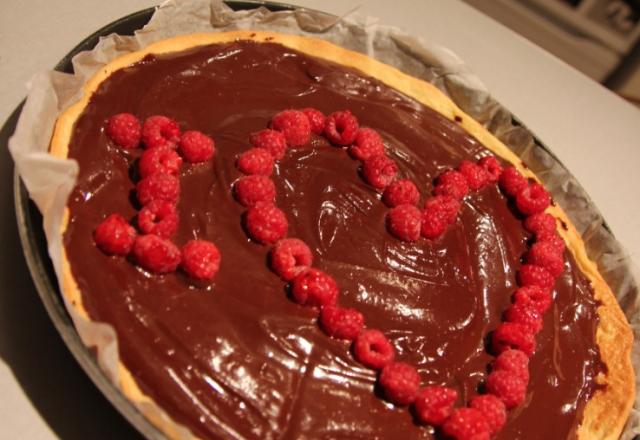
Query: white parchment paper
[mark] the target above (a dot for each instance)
(50, 180)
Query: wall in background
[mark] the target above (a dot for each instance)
(601, 38)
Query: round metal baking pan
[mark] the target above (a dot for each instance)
(34, 242)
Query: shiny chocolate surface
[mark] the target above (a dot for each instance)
(238, 358)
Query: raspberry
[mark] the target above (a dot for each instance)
(379, 171)
(124, 130)
(372, 349)
(159, 160)
(368, 143)
(466, 424)
(341, 323)
(401, 192)
(493, 410)
(434, 404)
(156, 254)
(265, 223)
(196, 147)
(314, 288)
(451, 183)
(400, 382)
(533, 199)
(114, 235)
(316, 119)
(272, 141)
(532, 275)
(433, 224)
(255, 161)
(476, 176)
(158, 186)
(341, 128)
(158, 217)
(534, 296)
(404, 222)
(512, 182)
(200, 259)
(544, 254)
(513, 361)
(160, 131)
(493, 168)
(510, 335)
(540, 224)
(525, 314)
(294, 125)
(445, 206)
(251, 190)
(555, 241)
(508, 387)
(290, 257)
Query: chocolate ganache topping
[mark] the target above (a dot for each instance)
(238, 358)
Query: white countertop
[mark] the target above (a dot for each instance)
(44, 393)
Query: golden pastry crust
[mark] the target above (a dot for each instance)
(607, 410)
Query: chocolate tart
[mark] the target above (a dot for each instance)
(238, 359)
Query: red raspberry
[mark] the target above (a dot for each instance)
(404, 222)
(379, 171)
(512, 182)
(272, 141)
(446, 206)
(434, 404)
(493, 168)
(315, 288)
(341, 128)
(114, 235)
(159, 160)
(466, 424)
(451, 183)
(160, 131)
(434, 224)
(555, 241)
(295, 126)
(124, 130)
(401, 192)
(513, 361)
(158, 186)
(508, 387)
(493, 410)
(156, 254)
(290, 257)
(540, 224)
(341, 323)
(265, 223)
(533, 199)
(251, 190)
(544, 254)
(196, 147)
(200, 259)
(510, 335)
(534, 296)
(532, 275)
(372, 349)
(158, 217)
(476, 176)
(368, 143)
(316, 119)
(400, 382)
(255, 161)
(525, 314)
